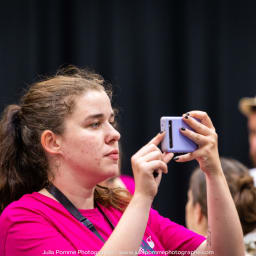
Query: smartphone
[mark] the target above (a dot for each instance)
(174, 141)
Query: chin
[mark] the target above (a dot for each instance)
(113, 172)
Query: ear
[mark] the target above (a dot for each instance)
(51, 142)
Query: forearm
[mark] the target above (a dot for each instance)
(128, 234)
(225, 235)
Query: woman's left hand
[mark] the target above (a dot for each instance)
(206, 138)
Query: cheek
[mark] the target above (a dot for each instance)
(88, 148)
(83, 148)
(91, 150)
(187, 210)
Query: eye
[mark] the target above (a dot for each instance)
(95, 124)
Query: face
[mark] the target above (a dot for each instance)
(252, 136)
(89, 144)
(190, 212)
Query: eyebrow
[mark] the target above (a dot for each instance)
(97, 116)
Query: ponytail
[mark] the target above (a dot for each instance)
(245, 199)
(16, 177)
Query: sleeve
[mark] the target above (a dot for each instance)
(30, 235)
(173, 236)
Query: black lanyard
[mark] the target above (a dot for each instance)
(74, 211)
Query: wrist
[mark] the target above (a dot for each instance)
(217, 174)
(141, 199)
(213, 168)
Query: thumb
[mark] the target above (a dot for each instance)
(167, 157)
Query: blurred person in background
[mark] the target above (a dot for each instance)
(247, 106)
(243, 192)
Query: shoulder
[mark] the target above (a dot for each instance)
(253, 174)
(250, 241)
(35, 222)
(26, 203)
(28, 207)
(19, 216)
(30, 202)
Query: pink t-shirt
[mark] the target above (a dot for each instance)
(37, 225)
(128, 182)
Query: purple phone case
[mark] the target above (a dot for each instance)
(180, 143)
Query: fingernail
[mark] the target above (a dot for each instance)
(186, 116)
(183, 129)
(176, 158)
(161, 132)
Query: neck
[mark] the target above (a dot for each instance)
(78, 188)
(80, 196)
(202, 228)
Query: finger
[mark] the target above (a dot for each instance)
(157, 165)
(183, 158)
(167, 157)
(146, 149)
(157, 139)
(154, 155)
(151, 145)
(196, 125)
(196, 137)
(202, 116)
(189, 156)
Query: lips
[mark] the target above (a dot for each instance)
(114, 154)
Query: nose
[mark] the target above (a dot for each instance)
(112, 135)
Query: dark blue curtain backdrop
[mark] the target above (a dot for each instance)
(163, 57)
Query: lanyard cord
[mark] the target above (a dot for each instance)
(74, 211)
(105, 216)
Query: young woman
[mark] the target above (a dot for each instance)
(60, 142)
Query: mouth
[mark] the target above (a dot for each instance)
(114, 154)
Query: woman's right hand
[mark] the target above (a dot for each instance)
(145, 162)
